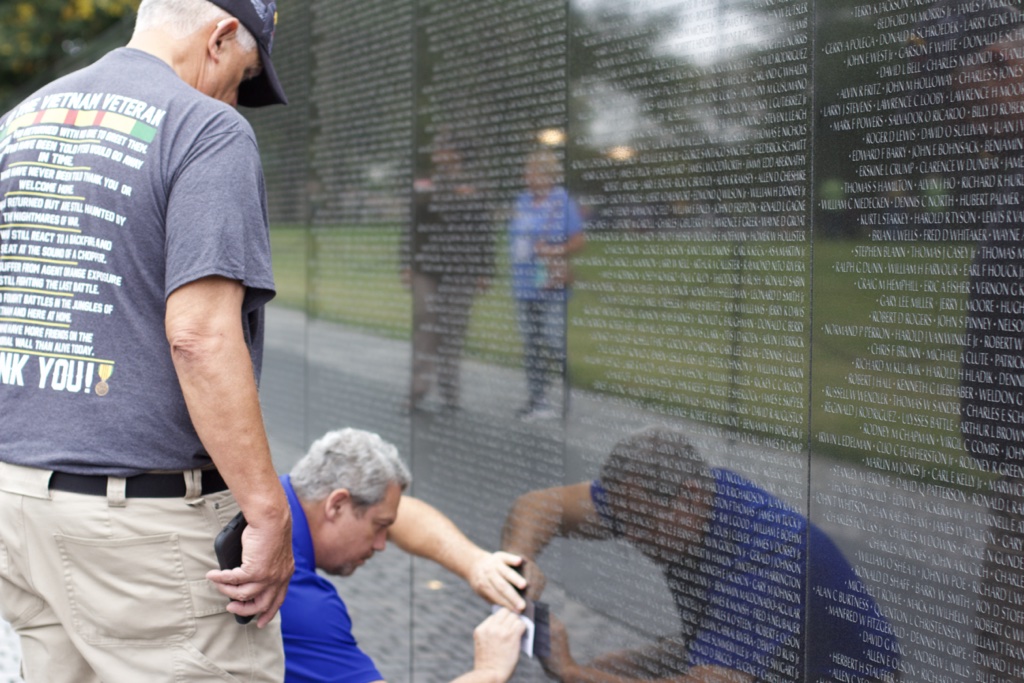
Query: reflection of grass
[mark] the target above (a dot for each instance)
(704, 327)
(619, 343)
(891, 412)
(288, 246)
(662, 349)
(353, 277)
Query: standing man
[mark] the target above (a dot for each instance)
(447, 260)
(347, 502)
(135, 267)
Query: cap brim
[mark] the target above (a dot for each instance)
(264, 89)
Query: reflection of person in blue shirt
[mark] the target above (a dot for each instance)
(544, 232)
(745, 571)
(346, 502)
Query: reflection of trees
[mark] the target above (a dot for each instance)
(360, 111)
(489, 75)
(711, 91)
(694, 95)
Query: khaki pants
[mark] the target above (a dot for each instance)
(113, 589)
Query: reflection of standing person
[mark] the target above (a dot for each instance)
(762, 594)
(544, 232)
(121, 442)
(448, 257)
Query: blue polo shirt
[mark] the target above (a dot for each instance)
(318, 643)
(763, 584)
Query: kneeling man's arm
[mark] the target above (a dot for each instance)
(425, 531)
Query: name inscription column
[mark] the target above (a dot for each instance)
(917, 351)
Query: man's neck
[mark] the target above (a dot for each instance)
(182, 55)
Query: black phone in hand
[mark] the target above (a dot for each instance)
(540, 615)
(228, 548)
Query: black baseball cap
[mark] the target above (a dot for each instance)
(260, 18)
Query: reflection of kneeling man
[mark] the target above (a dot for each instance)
(346, 500)
(736, 561)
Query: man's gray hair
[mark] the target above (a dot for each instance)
(658, 459)
(352, 459)
(182, 18)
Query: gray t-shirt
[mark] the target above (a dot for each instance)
(118, 184)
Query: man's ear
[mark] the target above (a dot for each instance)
(336, 503)
(225, 29)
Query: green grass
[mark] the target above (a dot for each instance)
(927, 419)
(680, 325)
(289, 246)
(352, 276)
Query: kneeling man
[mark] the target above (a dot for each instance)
(346, 500)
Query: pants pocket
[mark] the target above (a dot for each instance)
(127, 591)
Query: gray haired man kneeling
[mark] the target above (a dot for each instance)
(347, 502)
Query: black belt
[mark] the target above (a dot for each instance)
(169, 485)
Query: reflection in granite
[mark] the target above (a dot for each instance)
(746, 572)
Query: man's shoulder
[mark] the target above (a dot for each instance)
(736, 489)
(132, 82)
(298, 514)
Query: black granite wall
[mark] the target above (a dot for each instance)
(794, 236)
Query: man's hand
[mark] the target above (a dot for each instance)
(535, 579)
(539, 516)
(214, 367)
(496, 643)
(493, 579)
(260, 584)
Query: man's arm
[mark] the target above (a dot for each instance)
(539, 516)
(422, 530)
(640, 666)
(561, 249)
(204, 329)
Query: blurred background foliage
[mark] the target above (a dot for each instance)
(35, 35)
